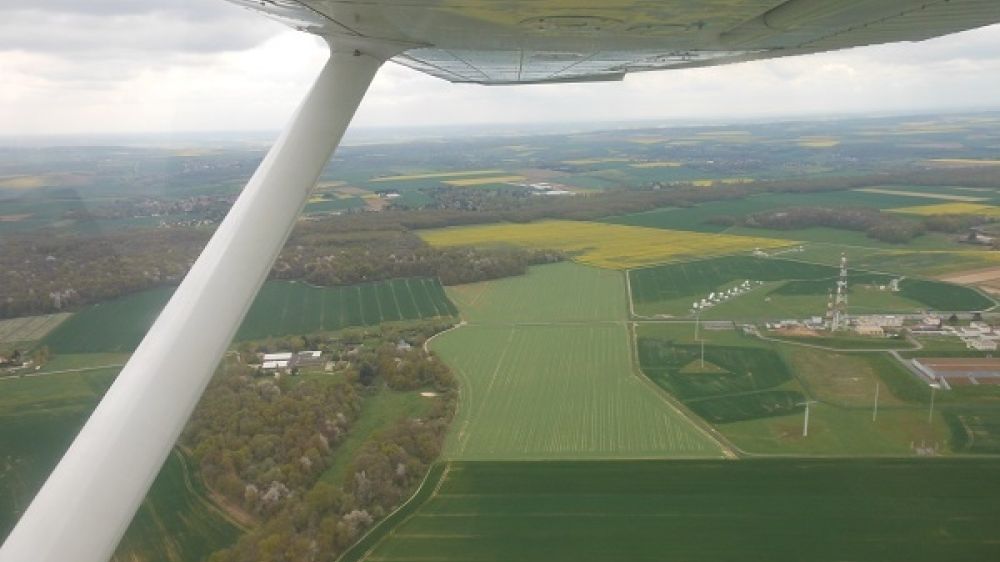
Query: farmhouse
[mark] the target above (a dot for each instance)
(286, 360)
(306, 358)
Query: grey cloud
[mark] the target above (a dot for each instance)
(186, 9)
(976, 44)
(131, 28)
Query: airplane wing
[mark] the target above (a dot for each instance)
(87, 502)
(538, 41)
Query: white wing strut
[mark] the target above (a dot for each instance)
(85, 506)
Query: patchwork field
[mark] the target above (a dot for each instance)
(733, 383)
(476, 181)
(281, 308)
(790, 287)
(698, 218)
(925, 263)
(922, 194)
(753, 391)
(29, 328)
(436, 175)
(599, 244)
(555, 380)
(699, 511)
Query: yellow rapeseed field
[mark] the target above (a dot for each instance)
(657, 164)
(467, 182)
(818, 142)
(434, 175)
(964, 162)
(610, 246)
(648, 139)
(923, 194)
(587, 161)
(22, 182)
(950, 209)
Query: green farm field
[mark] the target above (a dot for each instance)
(294, 308)
(39, 416)
(695, 218)
(902, 261)
(29, 328)
(591, 295)
(733, 383)
(176, 523)
(281, 308)
(752, 391)
(844, 432)
(546, 377)
(700, 511)
(790, 288)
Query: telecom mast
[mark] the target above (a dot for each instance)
(839, 320)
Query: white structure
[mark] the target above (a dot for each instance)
(881, 320)
(872, 330)
(981, 344)
(838, 319)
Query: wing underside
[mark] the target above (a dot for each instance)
(537, 41)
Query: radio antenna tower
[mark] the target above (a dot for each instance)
(839, 321)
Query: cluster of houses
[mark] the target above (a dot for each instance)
(16, 362)
(873, 325)
(546, 188)
(289, 361)
(978, 335)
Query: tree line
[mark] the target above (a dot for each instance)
(885, 227)
(48, 271)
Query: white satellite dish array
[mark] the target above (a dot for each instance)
(722, 296)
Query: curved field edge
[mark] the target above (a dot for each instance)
(176, 522)
(431, 482)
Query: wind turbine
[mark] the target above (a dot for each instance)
(875, 408)
(805, 422)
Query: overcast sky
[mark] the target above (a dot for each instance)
(105, 66)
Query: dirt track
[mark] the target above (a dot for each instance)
(972, 277)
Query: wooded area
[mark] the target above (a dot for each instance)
(264, 444)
